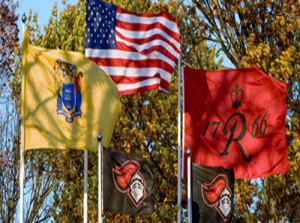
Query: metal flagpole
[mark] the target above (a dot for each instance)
(179, 146)
(183, 125)
(189, 186)
(85, 190)
(99, 178)
(22, 171)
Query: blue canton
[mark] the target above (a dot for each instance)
(101, 24)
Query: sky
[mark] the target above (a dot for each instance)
(42, 7)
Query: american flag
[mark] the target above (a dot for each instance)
(138, 51)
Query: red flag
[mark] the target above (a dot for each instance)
(236, 119)
(138, 51)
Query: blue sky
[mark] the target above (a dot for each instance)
(43, 8)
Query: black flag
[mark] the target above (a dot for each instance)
(213, 191)
(128, 184)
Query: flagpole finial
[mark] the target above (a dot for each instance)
(24, 18)
(99, 137)
(188, 151)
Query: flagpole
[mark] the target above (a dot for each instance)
(179, 146)
(85, 190)
(99, 178)
(21, 176)
(183, 124)
(189, 186)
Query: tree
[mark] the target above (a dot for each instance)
(147, 126)
(9, 194)
(8, 162)
(8, 35)
(264, 34)
(38, 178)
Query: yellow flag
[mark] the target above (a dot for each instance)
(66, 100)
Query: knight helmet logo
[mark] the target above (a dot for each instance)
(128, 179)
(218, 195)
(68, 90)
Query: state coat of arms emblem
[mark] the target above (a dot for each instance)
(68, 90)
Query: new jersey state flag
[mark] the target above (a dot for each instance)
(66, 100)
(236, 119)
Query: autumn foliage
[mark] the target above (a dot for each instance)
(215, 34)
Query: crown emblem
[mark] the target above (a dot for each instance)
(236, 96)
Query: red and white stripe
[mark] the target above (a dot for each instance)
(148, 47)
